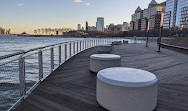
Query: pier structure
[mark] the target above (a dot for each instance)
(72, 86)
(23, 71)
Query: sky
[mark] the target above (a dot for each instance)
(27, 15)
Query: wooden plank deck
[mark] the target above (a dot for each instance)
(72, 86)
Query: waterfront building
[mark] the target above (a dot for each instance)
(170, 14)
(152, 4)
(115, 29)
(82, 28)
(131, 25)
(155, 15)
(2, 31)
(125, 26)
(92, 28)
(100, 24)
(144, 20)
(152, 16)
(136, 19)
(87, 25)
(79, 26)
(138, 24)
(51, 31)
(8, 32)
(176, 14)
(182, 14)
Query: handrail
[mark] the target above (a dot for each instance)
(31, 50)
(70, 49)
(173, 46)
(60, 55)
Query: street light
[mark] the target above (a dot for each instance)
(161, 29)
(147, 34)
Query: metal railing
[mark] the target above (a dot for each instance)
(20, 73)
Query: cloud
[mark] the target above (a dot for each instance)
(78, 1)
(21, 4)
(88, 4)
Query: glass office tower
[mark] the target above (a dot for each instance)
(182, 14)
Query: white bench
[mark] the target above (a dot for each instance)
(102, 61)
(127, 89)
(104, 48)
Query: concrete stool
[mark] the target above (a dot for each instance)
(127, 89)
(102, 61)
(117, 43)
(104, 48)
(125, 42)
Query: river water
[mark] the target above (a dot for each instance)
(9, 74)
(9, 77)
(11, 43)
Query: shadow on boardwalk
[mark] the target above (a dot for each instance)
(72, 86)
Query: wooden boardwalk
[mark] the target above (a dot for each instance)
(72, 86)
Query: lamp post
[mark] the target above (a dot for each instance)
(161, 29)
(147, 38)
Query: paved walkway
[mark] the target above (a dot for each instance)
(72, 86)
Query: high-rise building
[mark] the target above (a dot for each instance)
(82, 28)
(144, 20)
(176, 14)
(136, 19)
(87, 25)
(182, 14)
(125, 26)
(151, 17)
(156, 15)
(100, 24)
(152, 4)
(170, 14)
(132, 25)
(79, 27)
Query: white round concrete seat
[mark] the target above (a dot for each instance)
(127, 89)
(102, 61)
(104, 48)
(117, 43)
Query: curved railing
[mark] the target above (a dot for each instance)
(20, 73)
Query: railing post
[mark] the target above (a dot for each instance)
(52, 58)
(59, 54)
(65, 52)
(40, 65)
(22, 76)
(77, 47)
(135, 39)
(83, 45)
(86, 44)
(73, 48)
(80, 46)
(147, 38)
(160, 39)
(92, 43)
(69, 50)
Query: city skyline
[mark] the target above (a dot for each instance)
(25, 16)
